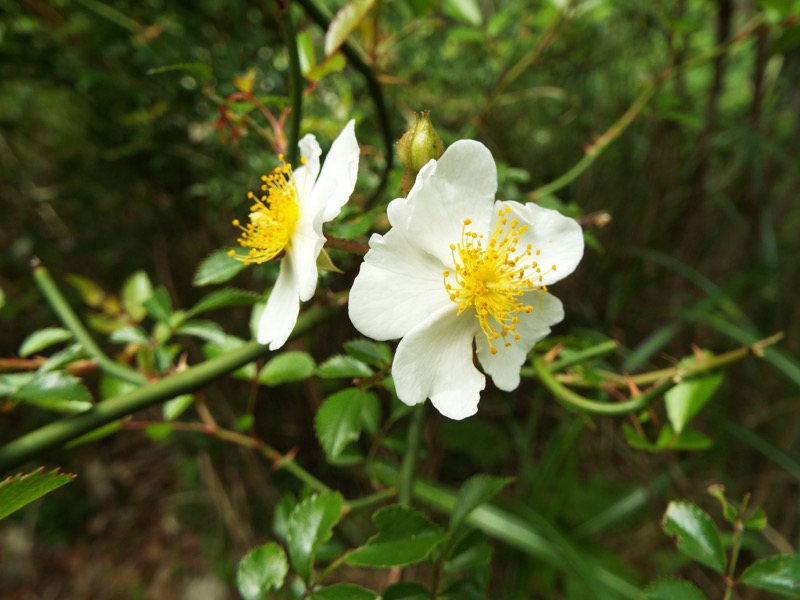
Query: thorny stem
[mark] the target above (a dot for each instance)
(295, 83)
(58, 433)
(662, 380)
(406, 475)
(70, 320)
(323, 19)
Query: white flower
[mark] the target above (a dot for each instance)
(457, 267)
(287, 221)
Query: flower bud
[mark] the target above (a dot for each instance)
(419, 144)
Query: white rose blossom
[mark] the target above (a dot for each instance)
(286, 222)
(458, 268)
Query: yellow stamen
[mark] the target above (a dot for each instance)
(273, 217)
(492, 275)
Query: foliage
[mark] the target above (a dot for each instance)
(130, 134)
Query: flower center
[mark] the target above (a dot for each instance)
(272, 217)
(492, 275)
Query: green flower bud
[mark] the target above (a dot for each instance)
(419, 144)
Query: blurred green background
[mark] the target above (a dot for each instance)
(107, 168)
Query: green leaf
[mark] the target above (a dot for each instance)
(310, 524)
(332, 64)
(305, 50)
(404, 537)
(689, 439)
(757, 521)
(672, 589)
(343, 591)
(377, 354)
(339, 420)
(695, 534)
(39, 340)
(159, 305)
(130, 335)
(136, 289)
(22, 489)
(472, 552)
(217, 267)
(686, 399)
(406, 591)
(202, 329)
(57, 391)
(476, 491)
(58, 360)
(779, 574)
(263, 568)
(468, 11)
(341, 366)
(10, 383)
(344, 22)
(287, 367)
(175, 407)
(222, 299)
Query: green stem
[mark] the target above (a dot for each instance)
(613, 132)
(406, 484)
(575, 401)
(323, 19)
(71, 321)
(58, 433)
(367, 501)
(584, 355)
(296, 85)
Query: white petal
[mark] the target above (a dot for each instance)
(337, 179)
(397, 288)
(504, 366)
(559, 238)
(280, 313)
(306, 174)
(307, 241)
(460, 185)
(435, 360)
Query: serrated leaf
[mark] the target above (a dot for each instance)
(406, 591)
(779, 574)
(310, 524)
(338, 421)
(343, 591)
(13, 381)
(476, 491)
(43, 338)
(159, 305)
(404, 537)
(377, 354)
(260, 570)
(56, 391)
(341, 366)
(175, 407)
(344, 22)
(222, 299)
(672, 589)
(217, 267)
(287, 367)
(370, 413)
(22, 489)
(695, 534)
(136, 289)
(202, 329)
(686, 399)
